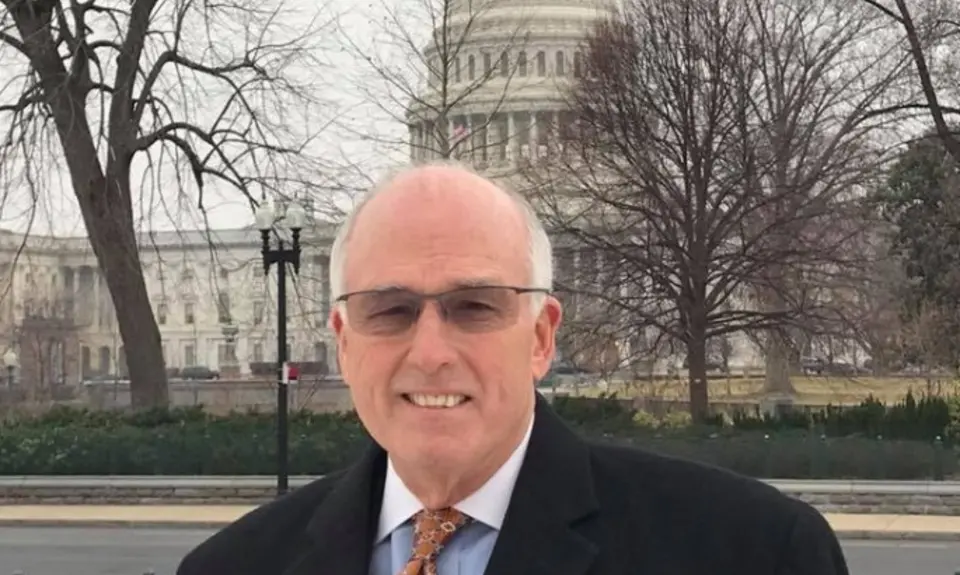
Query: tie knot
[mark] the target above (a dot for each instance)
(433, 529)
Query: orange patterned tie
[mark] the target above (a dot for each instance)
(431, 531)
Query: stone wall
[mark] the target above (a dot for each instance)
(222, 396)
(899, 498)
(886, 497)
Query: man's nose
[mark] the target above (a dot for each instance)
(430, 349)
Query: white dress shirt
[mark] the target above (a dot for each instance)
(468, 553)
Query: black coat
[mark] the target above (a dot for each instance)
(578, 508)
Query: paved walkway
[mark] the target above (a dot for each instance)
(921, 527)
(172, 515)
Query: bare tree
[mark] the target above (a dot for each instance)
(926, 33)
(713, 160)
(817, 146)
(434, 60)
(193, 96)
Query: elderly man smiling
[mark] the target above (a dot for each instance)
(444, 320)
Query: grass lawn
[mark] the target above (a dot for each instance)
(810, 390)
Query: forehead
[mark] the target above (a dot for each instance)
(436, 231)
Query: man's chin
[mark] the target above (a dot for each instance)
(437, 450)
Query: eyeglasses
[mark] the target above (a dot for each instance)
(393, 311)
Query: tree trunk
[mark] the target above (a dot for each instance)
(114, 242)
(777, 352)
(777, 363)
(697, 375)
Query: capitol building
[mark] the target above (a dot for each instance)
(493, 98)
(211, 300)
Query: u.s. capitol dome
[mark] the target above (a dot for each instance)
(497, 71)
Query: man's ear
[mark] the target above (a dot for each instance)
(337, 322)
(545, 336)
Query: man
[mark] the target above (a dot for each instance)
(443, 322)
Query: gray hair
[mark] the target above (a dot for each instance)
(540, 249)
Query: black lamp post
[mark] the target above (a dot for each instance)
(266, 220)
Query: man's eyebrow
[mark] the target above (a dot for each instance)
(456, 284)
(386, 287)
(476, 282)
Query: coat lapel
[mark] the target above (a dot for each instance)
(342, 529)
(552, 507)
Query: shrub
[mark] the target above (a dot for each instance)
(870, 441)
(178, 442)
(922, 419)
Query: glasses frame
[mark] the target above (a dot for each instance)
(435, 296)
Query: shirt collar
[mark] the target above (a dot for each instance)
(488, 505)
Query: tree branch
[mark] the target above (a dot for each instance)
(13, 43)
(122, 130)
(890, 13)
(30, 97)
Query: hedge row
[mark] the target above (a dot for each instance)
(190, 441)
(926, 418)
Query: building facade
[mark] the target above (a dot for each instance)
(210, 297)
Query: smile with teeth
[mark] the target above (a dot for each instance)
(435, 401)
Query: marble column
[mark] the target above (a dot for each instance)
(451, 137)
(413, 142)
(511, 137)
(534, 136)
(468, 147)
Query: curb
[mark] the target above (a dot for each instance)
(132, 524)
(899, 535)
(858, 535)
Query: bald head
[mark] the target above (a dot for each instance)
(433, 198)
(443, 186)
(441, 205)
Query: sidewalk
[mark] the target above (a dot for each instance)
(195, 516)
(914, 527)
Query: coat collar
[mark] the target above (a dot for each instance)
(342, 528)
(553, 500)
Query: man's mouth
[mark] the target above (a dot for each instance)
(435, 401)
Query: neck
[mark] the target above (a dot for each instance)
(441, 488)
(438, 486)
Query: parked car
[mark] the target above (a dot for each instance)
(561, 367)
(842, 368)
(102, 378)
(198, 373)
(812, 365)
(562, 372)
(712, 364)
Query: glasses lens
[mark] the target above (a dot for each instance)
(383, 313)
(481, 309)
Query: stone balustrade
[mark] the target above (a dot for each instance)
(220, 397)
(887, 497)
